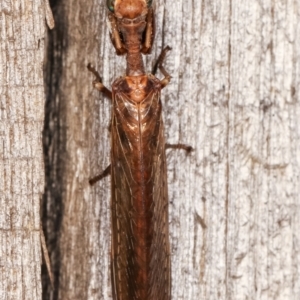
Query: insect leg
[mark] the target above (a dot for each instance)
(147, 45)
(187, 148)
(105, 173)
(159, 66)
(97, 83)
(115, 35)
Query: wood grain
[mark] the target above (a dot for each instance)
(234, 203)
(22, 50)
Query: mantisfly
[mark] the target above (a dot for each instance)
(140, 249)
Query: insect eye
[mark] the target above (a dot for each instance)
(149, 3)
(110, 4)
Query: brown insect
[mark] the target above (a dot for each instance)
(140, 249)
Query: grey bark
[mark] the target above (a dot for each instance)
(22, 33)
(234, 202)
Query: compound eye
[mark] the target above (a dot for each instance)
(110, 5)
(149, 2)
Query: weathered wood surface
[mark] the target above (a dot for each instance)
(234, 202)
(22, 100)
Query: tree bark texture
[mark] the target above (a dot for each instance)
(234, 97)
(22, 100)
